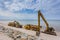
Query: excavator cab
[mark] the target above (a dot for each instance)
(48, 30)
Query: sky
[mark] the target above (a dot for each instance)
(28, 9)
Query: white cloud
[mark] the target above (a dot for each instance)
(50, 7)
(17, 16)
(25, 4)
(7, 14)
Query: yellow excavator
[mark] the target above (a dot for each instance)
(48, 30)
(37, 28)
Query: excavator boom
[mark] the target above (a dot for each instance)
(48, 30)
(41, 15)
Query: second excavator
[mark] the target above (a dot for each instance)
(48, 30)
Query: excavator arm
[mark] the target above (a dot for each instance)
(41, 15)
(48, 30)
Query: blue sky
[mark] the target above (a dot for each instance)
(27, 9)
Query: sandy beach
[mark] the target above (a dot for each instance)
(4, 37)
(41, 37)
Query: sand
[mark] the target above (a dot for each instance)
(49, 37)
(41, 37)
(4, 37)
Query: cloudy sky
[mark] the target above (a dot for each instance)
(27, 9)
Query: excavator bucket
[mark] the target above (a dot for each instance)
(50, 31)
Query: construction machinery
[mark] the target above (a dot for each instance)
(15, 24)
(41, 15)
(48, 30)
(37, 28)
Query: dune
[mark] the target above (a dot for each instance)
(48, 37)
(42, 36)
(4, 37)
